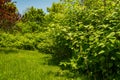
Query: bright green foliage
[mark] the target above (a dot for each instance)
(87, 41)
(32, 21)
(34, 15)
(28, 41)
(29, 27)
(56, 8)
(55, 13)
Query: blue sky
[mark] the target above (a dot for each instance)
(22, 5)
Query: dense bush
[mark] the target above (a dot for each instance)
(94, 52)
(29, 27)
(28, 41)
(88, 42)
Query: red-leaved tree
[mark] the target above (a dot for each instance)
(8, 14)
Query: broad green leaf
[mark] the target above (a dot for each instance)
(102, 44)
(112, 40)
(110, 35)
(101, 52)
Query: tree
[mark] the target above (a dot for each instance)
(8, 14)
(56, 8)
(55, 13)
(32, 20)
(34, 15)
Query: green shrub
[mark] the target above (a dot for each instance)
(44, 42)
(27, 41)
(92, 46)
(95, 52)
(29, 27)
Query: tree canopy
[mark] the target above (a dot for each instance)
(8, 14)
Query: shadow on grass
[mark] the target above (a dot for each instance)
(53, 62)
(65, 72)
(8, 50)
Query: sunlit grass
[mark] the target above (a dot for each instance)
(27, 65)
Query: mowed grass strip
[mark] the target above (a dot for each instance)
(27, 65)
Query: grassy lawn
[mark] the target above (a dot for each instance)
(27, 65)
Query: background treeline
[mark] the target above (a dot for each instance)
(82, 35)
